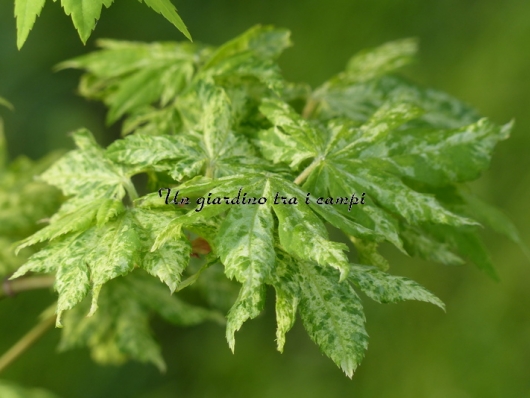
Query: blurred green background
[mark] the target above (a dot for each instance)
(478, 51)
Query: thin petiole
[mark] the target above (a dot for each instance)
(25, 342)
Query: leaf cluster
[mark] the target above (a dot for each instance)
(211, 121)
(85, 15)
(24, 202)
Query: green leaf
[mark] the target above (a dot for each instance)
(11, 390)
(66, 258)
(287, 296)
(386, 288)
(120, 329)
(248, 305)
(116, 253)
(418, 242)
(169, 259)
(381, 60)
(168, 10)
(69, 221)
(332, 315)
(322, 182)
(133, 77)
(467, 243)
(370, 156)
(245, 241)
(493, 218)
(439, 157)
(367, 254)
(94, 256)
(85, 14)
(110, 208)
(292, 139)
(26, 12)
(134, 91)
(265, 42)
(87, 172)
(304, 235)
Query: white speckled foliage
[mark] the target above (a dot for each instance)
(201, 123)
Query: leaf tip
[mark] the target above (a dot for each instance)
(231, 340)
(94, 305)
(344, 274)
(58, 320)
(348, 367)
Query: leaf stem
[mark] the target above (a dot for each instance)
(25, 342)
(301, 178)
(10, 288)
(131, 190)
(309, 107)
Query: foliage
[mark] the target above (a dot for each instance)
(211, 122)
(11, 390)
(19, 214)
(85, 15)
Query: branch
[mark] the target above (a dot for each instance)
(25, 342)
(11, 287)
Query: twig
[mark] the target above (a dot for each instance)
(9, 288)
(25, 342)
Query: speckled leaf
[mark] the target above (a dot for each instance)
(216, 119)
(65, 258)
(250, 54)
(418, 242)
(245, 241)
(169, 260)
(146, 150)
(292, 139)
(110, 209)
(287, 296)
(116, 252)
(362, 143)
(80, 219)
(87, 172)
(248, 305)
(130, 77)
(332, 315)
(178, 156)
(381, 60)
(359, 101)
(266, 42)
(392, 194)
(367, 254)
(323, 182)
(304, 235)
(134, 91)
(466, 242)
(386, 288)
(120, 328)
(169, 306)
(438, 157)
(327, 212)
